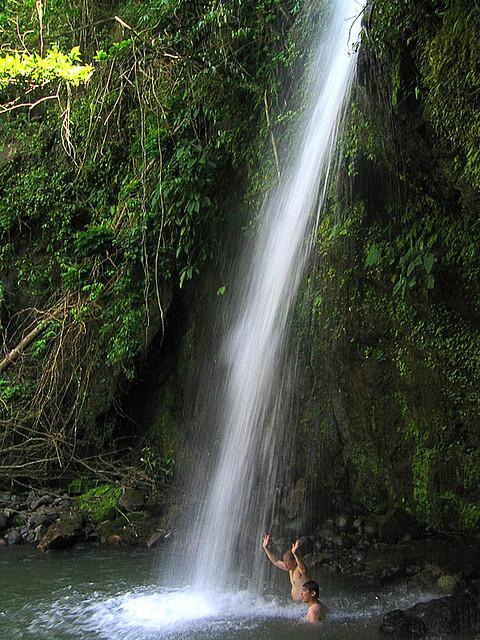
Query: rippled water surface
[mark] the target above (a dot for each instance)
(113, 595)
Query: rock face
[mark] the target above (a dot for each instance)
(62, 534)
(459, 613)
(132, 500)
(3, 521)
(293, 503)
(51, 521)
(398, 524)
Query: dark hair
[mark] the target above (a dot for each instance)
(310, 586)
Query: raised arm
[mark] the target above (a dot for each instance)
(270, 555)
(300, 564)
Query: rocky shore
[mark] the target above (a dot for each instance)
(59, 520)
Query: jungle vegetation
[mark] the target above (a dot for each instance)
(136, 139)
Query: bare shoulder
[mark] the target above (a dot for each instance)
(316, 612)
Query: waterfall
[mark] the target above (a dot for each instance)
(246, 389)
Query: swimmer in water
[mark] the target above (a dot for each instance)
(316, 610)
(292, 563)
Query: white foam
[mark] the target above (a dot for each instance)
(168, 612)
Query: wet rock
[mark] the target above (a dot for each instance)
(39, 532)
(412, 570)
(29, 537)
(318, 559)
(339, 542)
(399, 625)
(293, 503)
(45, 519)
(357, 524)
(134, 529)
(61, 504)
(3, 543)
(370, 530)
(41, 502)
(306, 547)
(155, 538)
(5, 498)
(348, 543)
(318, 545)
(14, 537)
(358, 556)
(448, 583)
(394, 525)
(326, 534)
(390, 574)
(132, 500)
(62, 534)
(3, 521)
(459, 613)
(363, 544)
(343, 523)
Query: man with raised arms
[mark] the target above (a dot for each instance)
(292, 563)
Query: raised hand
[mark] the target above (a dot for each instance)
(295, 546)
(266, 540)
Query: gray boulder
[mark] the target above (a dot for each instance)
(397, 524)
(41, 502)
(459, 613)
(45, 519)
(39, 532)
(14, 537)
(343, 522)
(62, 534)
(132, 500)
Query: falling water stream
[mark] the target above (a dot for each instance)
(249, 385)
(210, 586)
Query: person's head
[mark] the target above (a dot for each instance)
(289, 560)
(310, 590)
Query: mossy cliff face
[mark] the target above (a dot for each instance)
(114, 217)
(390, 315)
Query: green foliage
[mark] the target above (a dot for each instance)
(96, 240)
(121, 191)
(40, 70)
(79, 486)
(99, 503)
(157, 467)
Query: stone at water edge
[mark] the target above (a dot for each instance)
(155, 538)
(459, 613)
(62, 534)
(132, 500)
(39, 532)
(14, 537)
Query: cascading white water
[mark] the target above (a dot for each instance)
(248, 388)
